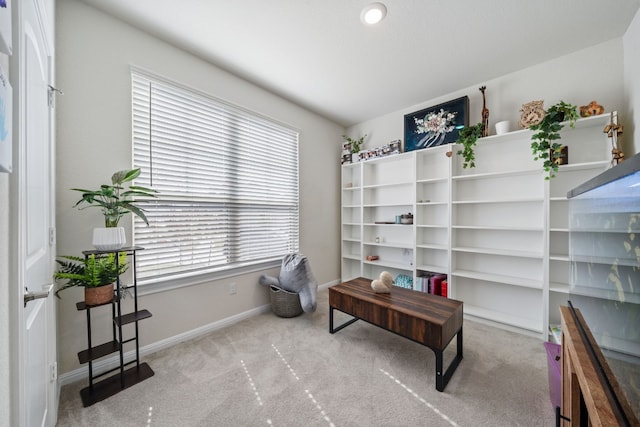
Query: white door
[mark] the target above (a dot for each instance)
(32, 189)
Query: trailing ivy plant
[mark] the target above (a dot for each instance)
(544, 143)
(468, 137)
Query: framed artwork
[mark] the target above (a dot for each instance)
(6, 105)
(5, 27)
(436, 125)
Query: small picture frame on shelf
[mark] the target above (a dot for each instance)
(346, 153)
(395, 146)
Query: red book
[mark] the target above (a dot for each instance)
(444, 291)
(436, 283)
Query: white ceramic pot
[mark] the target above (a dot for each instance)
(502, 127)
(108, 239)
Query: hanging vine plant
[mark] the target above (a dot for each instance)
(468, 137)
(544, 143)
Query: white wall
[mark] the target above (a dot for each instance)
(5, 325)
(94, 55)
(578, 78)
(95, 52)
(631, 41)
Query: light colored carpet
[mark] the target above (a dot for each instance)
(270, 371)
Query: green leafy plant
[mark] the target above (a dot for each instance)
(90, 272)
(115, 199)
(544, 143)
(468, 137)
(355, 143)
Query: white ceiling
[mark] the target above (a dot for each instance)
(319, 55)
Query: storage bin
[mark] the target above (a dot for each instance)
(285, 303)
(554, 372)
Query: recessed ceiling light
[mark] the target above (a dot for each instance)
(373, 13)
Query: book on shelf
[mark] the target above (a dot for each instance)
(431, 283)
(436, 283)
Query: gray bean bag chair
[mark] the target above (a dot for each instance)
(296, 276)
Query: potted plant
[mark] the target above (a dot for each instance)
(115, 200)
(354, 143)
(544, 143)
(468, 136)
(96, 273)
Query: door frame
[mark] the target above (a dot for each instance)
(17, 214)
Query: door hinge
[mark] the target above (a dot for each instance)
(53, 91)
(54, 371)
(52, 236)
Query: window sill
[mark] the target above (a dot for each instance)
(163, 284)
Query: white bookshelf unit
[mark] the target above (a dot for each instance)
(432, 219)
(388, 190)
(351, 221)
(499, 231)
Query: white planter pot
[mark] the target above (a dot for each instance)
(108, 239)
(502, 127)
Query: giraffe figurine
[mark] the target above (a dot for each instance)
(485, 113)
(613, 130)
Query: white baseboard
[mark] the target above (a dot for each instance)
(326, 285)
(114, 361)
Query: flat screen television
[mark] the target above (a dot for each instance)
(604, 252)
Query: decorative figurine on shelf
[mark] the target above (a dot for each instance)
(485, 113)
(406, 218)
(592, 109)
(613, 129)
(383, 284)
(532, 114)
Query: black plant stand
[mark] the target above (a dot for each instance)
(123, 378)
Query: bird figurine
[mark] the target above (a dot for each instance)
(591, 109)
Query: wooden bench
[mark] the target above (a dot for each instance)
(427, 319)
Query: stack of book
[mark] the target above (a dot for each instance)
(433, 283)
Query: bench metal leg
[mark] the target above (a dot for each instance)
(442, 378)
(333, 330)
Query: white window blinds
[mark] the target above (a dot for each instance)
(228, 183)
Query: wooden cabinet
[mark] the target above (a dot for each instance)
(591, 395)
(499, 230)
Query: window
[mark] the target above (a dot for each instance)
(227, 178)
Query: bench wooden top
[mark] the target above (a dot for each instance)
(433, 320)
